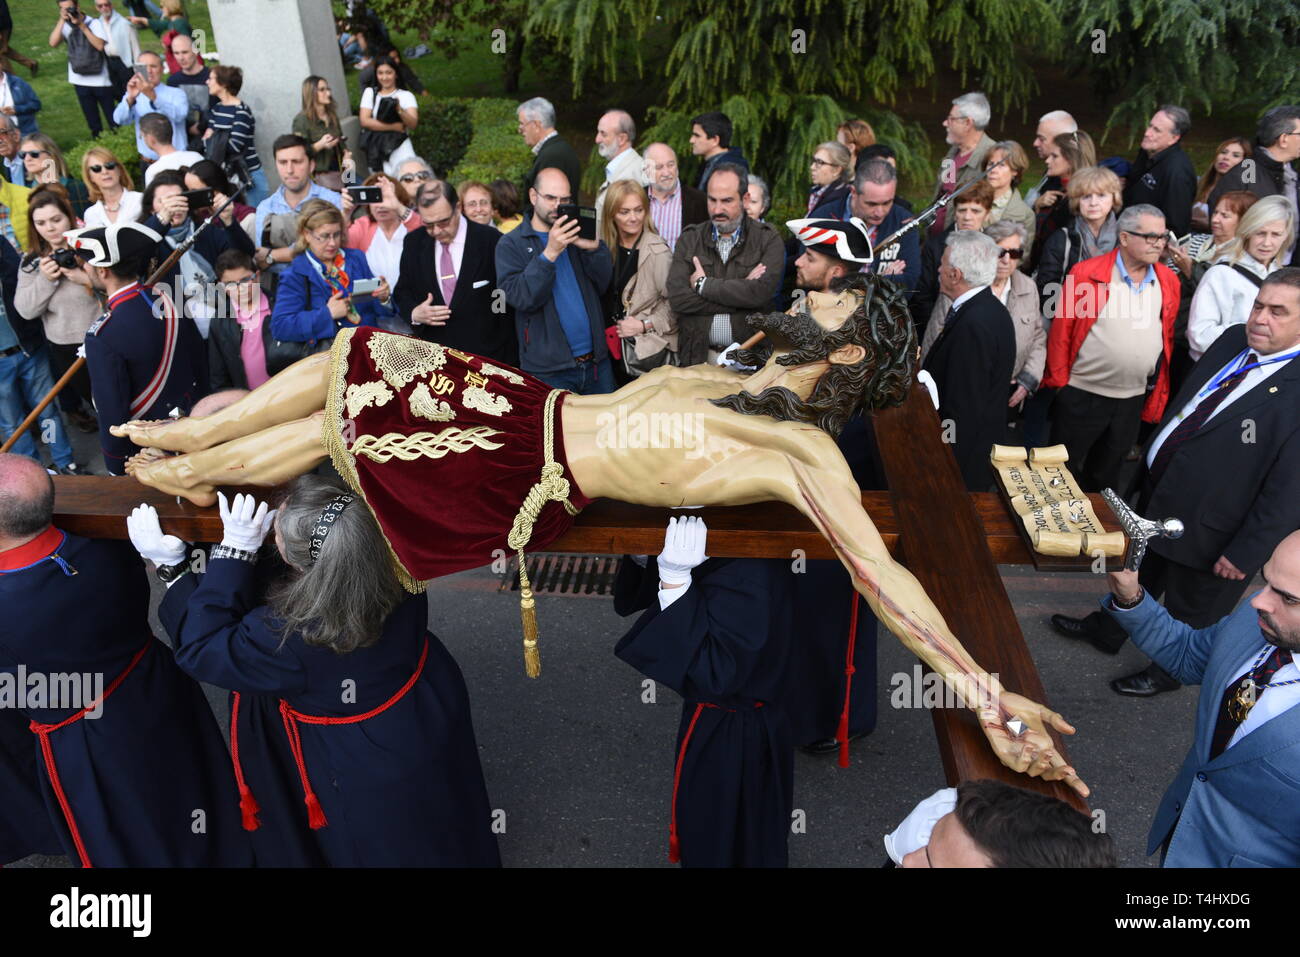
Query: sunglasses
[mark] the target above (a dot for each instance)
(97, 168)
(419, 177)
(32, 154)
(1012, 253)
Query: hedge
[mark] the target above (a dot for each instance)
(496, 151)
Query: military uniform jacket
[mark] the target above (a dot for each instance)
(142, 366)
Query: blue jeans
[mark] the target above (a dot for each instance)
(589, 378)
(24, 381)
(258, 190)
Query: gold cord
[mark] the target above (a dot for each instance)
(551, 487)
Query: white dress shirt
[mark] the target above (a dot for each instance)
(1253, 378)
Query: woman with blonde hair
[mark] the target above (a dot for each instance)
(318, 124)
(45, 164)
(1095, 198)
(1227, 290)
(109, 187)
(314, 299)
(636, 305)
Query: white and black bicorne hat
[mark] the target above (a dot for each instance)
(843, 239)
(109, 245)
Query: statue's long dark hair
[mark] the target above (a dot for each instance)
(881, 325)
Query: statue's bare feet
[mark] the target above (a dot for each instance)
(173, 435)
(144, 457)
(175, 476)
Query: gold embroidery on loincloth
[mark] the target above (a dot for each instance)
(477, 397)
(488, 368)
(332, 437)
(423, 404)
(403, 358)
(408, 448)
(364, 395)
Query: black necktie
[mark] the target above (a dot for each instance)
(1226, 725)
(1189, 426)
(948, 320)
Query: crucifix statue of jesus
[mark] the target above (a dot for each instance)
(457, 456)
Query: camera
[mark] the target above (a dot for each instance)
(66, 259)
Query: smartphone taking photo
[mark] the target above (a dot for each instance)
(364, 195)
(198, 198)
(585, 215)
(364, 288)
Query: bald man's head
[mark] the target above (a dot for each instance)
(26, 498)
(549, 191)
(661, 167)
(1278, 605)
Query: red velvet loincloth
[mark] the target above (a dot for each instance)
(444, 446)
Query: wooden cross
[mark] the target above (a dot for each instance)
(942, 533)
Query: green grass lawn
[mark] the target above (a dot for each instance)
(60, 116)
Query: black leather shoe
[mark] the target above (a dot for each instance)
(1083, 629)
(1147, 683)
(830, 745)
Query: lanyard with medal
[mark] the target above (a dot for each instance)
(1248, 693)
(1238, 367)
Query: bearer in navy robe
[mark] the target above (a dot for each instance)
(130, 761)
(25, 827)
(374, 741)
(718, 632)
(145, 357)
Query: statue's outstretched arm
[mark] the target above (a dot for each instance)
(830, 498)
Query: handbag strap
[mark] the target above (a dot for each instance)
(1242, 270)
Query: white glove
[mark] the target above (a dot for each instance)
(914, 833)
(683, 549)
(931, 386)
(727, 362)
(244, 528)
(146, 535)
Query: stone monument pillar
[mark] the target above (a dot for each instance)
(278, 44)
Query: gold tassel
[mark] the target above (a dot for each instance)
(528, 612)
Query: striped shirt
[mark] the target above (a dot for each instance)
(238, 120)
(666, 214)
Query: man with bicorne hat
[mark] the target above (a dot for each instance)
(145, 356)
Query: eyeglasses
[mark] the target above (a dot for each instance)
(324, 238)
(439, 223)
(817, 162)
(1153, 239)
(97, 168)
(236, 283)
(1011, 253)
(33, 154)
(419, 177)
